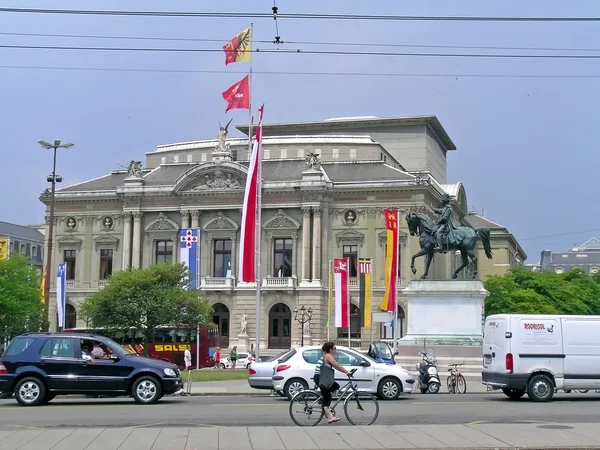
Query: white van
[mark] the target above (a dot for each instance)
(537, 354)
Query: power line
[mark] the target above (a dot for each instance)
(300, 51)
(332, 44)
(336, 74)
(299, 16)
(560, 234)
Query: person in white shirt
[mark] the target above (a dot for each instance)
(187, 357)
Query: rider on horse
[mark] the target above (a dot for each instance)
(445, 232)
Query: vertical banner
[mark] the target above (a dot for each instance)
(342, 297)
(3, 248)
(43, 288)
(365, 292)
(391, 261)
(188, 254)
(61, 293)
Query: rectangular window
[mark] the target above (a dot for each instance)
(190, 158)
(164, 251)
(59, 348)
(234, 155)
(222, 258)
(351, 252)
(335, 153)
(106, 263)
(203, 157)
(283, 153)
(266, 153)
(34, 252)
(282, 257)
(163, 159)
(317, 151)
(176, 158)
(70, 257)
(352, 153)
(300, 153)
(22, 249)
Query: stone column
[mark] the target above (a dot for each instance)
(126, 240)
(316, 241)
(195, 219)
(137, 240)
(295, 255)
(185, 219)
(306, 244)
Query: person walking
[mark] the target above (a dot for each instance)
(217, 358)
(187, 357)
(326, 378)
(233, 356)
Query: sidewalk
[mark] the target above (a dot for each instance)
(333, 437)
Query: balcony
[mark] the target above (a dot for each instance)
(280, 283)
(70, 284)
(102, 283)
(217, 283)
(354, 283)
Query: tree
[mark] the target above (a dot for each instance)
(524, 292)
(21, 307)
(145, 299)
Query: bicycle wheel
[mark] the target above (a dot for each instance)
(461, 384)
(306, 409)
(361, 408)
(450, 385)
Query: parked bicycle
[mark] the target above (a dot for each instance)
(360, 408)
(456, 381)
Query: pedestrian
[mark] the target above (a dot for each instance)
(233, 356)
(187, 357)
(327, 382)
(217, 358)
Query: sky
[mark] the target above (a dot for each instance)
(526, 152)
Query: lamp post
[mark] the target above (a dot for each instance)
(304, 317)
(53, 179)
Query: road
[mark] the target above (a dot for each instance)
(199, 411)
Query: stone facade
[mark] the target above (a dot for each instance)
(311, 214)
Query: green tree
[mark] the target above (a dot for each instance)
(145, 299)
(524, 292)
(21, 307)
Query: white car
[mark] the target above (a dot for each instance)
(243, 361)
(295, 372)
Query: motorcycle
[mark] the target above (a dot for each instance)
(429, 381)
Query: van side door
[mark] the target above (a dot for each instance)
(538, 346)
(496, 344)
(582, 353)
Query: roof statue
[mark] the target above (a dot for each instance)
(135, 169)
(222, 145)
(313, 161)
(442, 235)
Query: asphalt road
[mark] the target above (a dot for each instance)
(271, 411)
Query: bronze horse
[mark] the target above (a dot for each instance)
(465, 239)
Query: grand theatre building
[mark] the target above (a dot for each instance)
(314, 210)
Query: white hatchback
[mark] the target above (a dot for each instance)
(295, 372)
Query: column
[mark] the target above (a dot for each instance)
(234, 257)
(317, 213)
(126, 240)
(185, 220)
(137, 240)
(295, 255)
(306, 244)
(195, 219)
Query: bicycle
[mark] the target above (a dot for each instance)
(456, 381)
(309, 404)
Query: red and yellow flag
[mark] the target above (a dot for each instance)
(239, 49)
(391, 261)
(43, 298)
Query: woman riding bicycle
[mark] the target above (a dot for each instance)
(329, 363)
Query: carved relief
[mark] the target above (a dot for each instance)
(221, 222)
(350, 217)
(317, 211)
(220, 180)
(349, 236)
(282, 220)
(311, 197)
(306, 210)
(163, 223)
(106, 241)
(71, 224)
(69, 242)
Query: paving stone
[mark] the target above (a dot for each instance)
(234, 438)
(386, 437)
(416, 437)
(264, 438)
(171, 439)
(18, 439)
(296, 438)
(49, 439)
(141, 438)
(110, 439)
(203, 438)
(328, 437)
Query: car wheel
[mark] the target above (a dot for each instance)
(293, 386)
(540, 388)
(146, 390)
(30, 391)
(389, 389)
(513, 394)
(222, 366)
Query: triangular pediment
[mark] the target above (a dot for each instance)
(69, 241)
(281, 220)
(213, 176)
(107, 241)
(349, 236)
(382, 236)
(162, 223)
(221, 222)
(592, 245)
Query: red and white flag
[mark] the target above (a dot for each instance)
(249, 210)
(237, 96)
(342, 296)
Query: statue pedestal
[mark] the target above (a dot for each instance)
(449, 313)
(307, 339)
(243, 343)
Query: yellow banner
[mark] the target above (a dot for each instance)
(3, 248)
(43, 286)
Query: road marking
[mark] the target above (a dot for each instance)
(28, 427)
(250, 404)
(106, 405)
(476, 422)
(148, 425)
(453, 403)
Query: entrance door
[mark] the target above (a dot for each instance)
(221, 318)
(280, 325)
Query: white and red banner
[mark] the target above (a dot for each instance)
(342, 294)
(247, 261)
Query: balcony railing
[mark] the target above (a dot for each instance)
(279, 282)
(217, 283)
(70, 284)
(354, 343)
(102, 283)
(353, 283)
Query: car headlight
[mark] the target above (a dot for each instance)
(170, 372)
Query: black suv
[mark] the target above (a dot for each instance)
(36, 367)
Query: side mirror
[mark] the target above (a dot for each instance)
(365, 364)
(396, 353)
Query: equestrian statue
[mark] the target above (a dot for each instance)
(443, 236)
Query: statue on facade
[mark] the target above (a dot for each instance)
(134, 169)
(443, 236)
(222, 145)
(244, 324)
(312, 161)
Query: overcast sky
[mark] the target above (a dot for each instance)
(527, 152)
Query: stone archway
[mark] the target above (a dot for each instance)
(221, 318)
(280, 326)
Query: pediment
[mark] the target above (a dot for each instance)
(69, 242)
(221, 222)
(281, 220)
(106, 241)
(382, 236)
(162, 223)
(213, 176)
(349, 236)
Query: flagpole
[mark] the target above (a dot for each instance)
(329, 299)
(395, 331)
(250, 93)
(348, 292)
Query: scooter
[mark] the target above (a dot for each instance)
(429, 381)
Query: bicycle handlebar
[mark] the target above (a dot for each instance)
(351, 373)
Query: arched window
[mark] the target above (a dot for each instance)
(70, 317)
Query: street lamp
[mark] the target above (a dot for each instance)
(304, 317)
(53, 178)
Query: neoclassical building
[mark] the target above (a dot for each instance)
(311, 214)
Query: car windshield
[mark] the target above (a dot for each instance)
(384, 350)
(119, 349)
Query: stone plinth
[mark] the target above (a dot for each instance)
(243, 343)
(445, 313)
